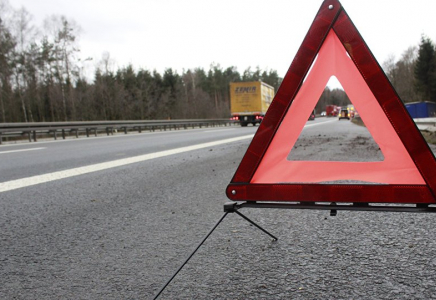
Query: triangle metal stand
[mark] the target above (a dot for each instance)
(233, 207)
(229, 207)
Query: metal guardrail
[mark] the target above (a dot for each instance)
(32, 131)
(426, 124)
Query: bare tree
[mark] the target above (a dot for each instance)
(7, 45)
(401, 74)
(62, 33)
(25, 34)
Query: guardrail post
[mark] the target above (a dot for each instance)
(1, 138)
(63, 134)
(107, 130)
(95, 131)
(55, 134)
(29, 136)
(87, 132)
(125, 130)
(34, 135)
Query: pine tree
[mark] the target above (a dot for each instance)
(425, 69)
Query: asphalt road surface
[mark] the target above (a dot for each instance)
(114, 217)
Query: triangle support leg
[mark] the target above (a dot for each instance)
(190, 256)
(256, 225)
(231, 207)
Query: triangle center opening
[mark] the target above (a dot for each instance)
(335, 131)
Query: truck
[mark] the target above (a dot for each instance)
(249, 101)
(331, 110)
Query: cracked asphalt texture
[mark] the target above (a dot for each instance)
(121, 234)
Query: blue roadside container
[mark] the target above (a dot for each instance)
(421, 109)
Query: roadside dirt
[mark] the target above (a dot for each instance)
(430, 137)
(344, 141)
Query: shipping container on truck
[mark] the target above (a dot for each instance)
(421, 109)
(249, 101)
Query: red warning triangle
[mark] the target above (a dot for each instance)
(396, 168)
(333, 46)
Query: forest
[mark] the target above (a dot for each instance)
(42, 79)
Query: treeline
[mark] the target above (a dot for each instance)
(38, 68)
(413, 75)
(331, 97)
(42, 79)
(197, 93)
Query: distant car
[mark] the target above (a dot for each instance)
(344, 114)
(312, 116)
(323, 113)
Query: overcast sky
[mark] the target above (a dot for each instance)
(186, 34)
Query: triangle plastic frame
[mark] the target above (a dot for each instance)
(332, 16)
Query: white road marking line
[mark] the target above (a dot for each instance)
(21, 150)
(320, 123)
(34, 180)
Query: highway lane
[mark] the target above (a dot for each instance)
(26, 160)
(62, 155)
(75, 238)
(121, 232)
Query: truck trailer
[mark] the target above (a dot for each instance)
(249, 101)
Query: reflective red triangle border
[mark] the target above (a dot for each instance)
(331, 15)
